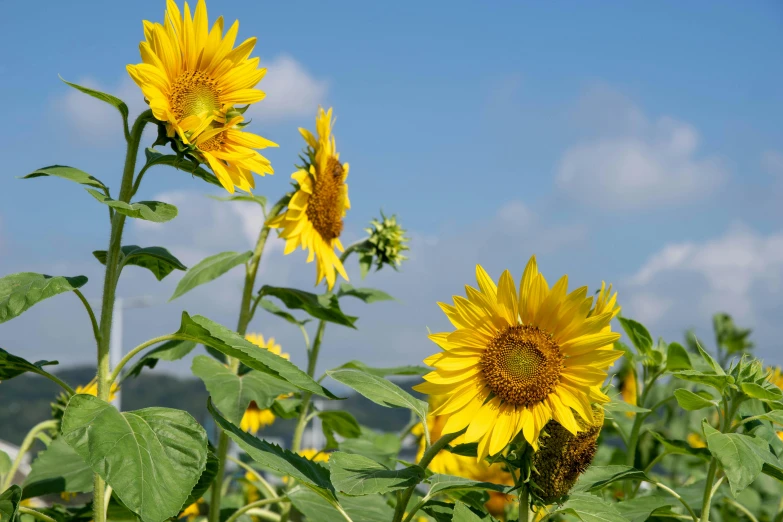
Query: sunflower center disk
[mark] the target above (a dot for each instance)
(326, 205)
(193, 92)
(522, 365)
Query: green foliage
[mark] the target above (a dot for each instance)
(591, 508)
(154, 211)
(692, 401)
(9, 503)
(356, 475)
(598, 477)
(57, 469)
(18, 292)
(152, 457)
(271, 456)
(202, 330)
(208, 269)
(157, 260)
(341, 423)
(69, 173)
(447, 483)
(325, 307)
(368, 295)
(385, 372)
(367, 509)
(168, 351)
(380, 391)
(108, 98)
(156, 158)
(232, 393)
(12, 366)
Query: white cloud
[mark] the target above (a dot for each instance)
(628, 161)
(97, 120)
(682, 285)
(291, 91)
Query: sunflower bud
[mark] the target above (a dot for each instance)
(563, 456)
(385, 245)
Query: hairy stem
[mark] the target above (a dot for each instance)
(259, 503)
(25, 447)
(524, 509)
(36, 514)
(96, 331)
(246, 311)
(110, 287)
(116, 372)
(402, 501)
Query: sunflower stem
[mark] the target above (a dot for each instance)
(524, 500)
(110, 287)
(35, 514)
(25, 447)
(431, 453)
(246, 312)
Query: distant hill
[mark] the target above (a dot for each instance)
(26, 400)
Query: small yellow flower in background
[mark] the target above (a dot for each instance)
(628, 390)
(193, 511)
(448, 463)
(91, 388)
(255, 418)
(67, 496)
(696, 440)
(314, 217)
(776, 378)
(518, 360)
(193, 76)
(314, 455)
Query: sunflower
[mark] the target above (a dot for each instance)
(518, 360)
(314, 455)
(91, 388)
(255, 418)
(192, 77)
(314, 217)
(776, 377)
(193, 511)
(448, 463)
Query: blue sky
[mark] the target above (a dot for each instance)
(638, 143)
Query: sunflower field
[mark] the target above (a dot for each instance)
(542, 403)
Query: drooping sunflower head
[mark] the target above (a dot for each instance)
(314, 455)
(194, 511)
(519, 358)
(564, 456)
(192, 77)
(314, 217)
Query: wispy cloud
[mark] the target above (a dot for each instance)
(291, 91)
(630, 161)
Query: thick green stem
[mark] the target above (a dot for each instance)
(678, 497)
(402, 501)
(259, 503)
(110, 287)
(95, 328)
(35, 514)
(25, 447)
(116, 372)
(707, 498)
(246, 310)
(312, 359)
(524, 501)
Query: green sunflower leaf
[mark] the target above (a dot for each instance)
(590, 508)
(208, 269)
(340, 422)
(273, 309)
(638, 334)
(18, 292)
(12, 366)
(168, 351)
(378, 446)
(202, 330)
(69, 173)
(368, 295)
(371, 508)
(692, 401)
(441, 483)
(157, 260)
(9, 503)
(677, 358)
(738, 456)
(233, 393)
(108, 98)
(355, 475)
(640, 509)
(325, 307)
(385, 372)
(206, 478)
(154, 211)
(249, 198)
(462, 513)
(271, 456)
(763, 393)
(380, 391)
(156, 158)
(152, 458)
(598, 477)
(58, 469)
